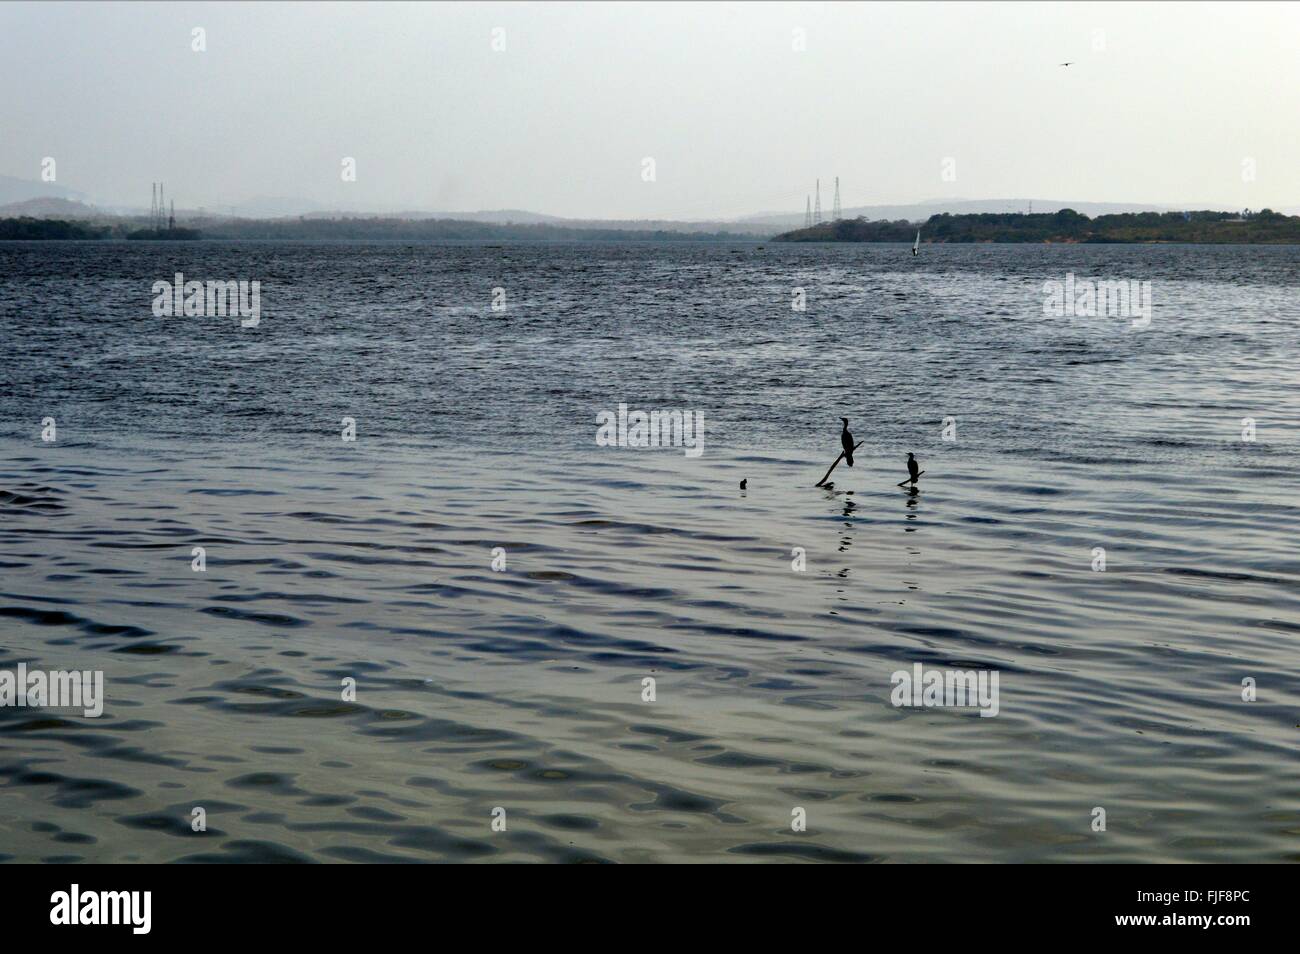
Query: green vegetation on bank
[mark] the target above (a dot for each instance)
(29, 229)
(1266, 227)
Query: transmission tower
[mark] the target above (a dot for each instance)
(807, 215)
(835, 214)
(817, 209)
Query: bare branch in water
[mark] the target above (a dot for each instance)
(837, 460)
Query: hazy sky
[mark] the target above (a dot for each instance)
(1163, 105)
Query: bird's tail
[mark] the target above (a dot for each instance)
(848, 458)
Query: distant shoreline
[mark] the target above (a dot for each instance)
(1067, 227)
(352, 230)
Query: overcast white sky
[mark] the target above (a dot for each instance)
(735, 118)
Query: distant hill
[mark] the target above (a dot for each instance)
(13, 190)
(270, 207)
(500, 217)
(523, 217)
(49, 208)
(384, 228)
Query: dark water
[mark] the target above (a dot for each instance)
(476, 689)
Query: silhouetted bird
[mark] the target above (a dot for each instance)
(743, 482)
(846, 441)
(913, 469)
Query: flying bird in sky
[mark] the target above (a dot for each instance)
(1068, 64)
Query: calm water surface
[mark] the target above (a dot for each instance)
(522, 689)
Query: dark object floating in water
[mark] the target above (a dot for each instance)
(743, 483)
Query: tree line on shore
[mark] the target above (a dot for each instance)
(1066, 225)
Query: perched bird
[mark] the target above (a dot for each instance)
(846, 441)
(743, 483)
(913, 469)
